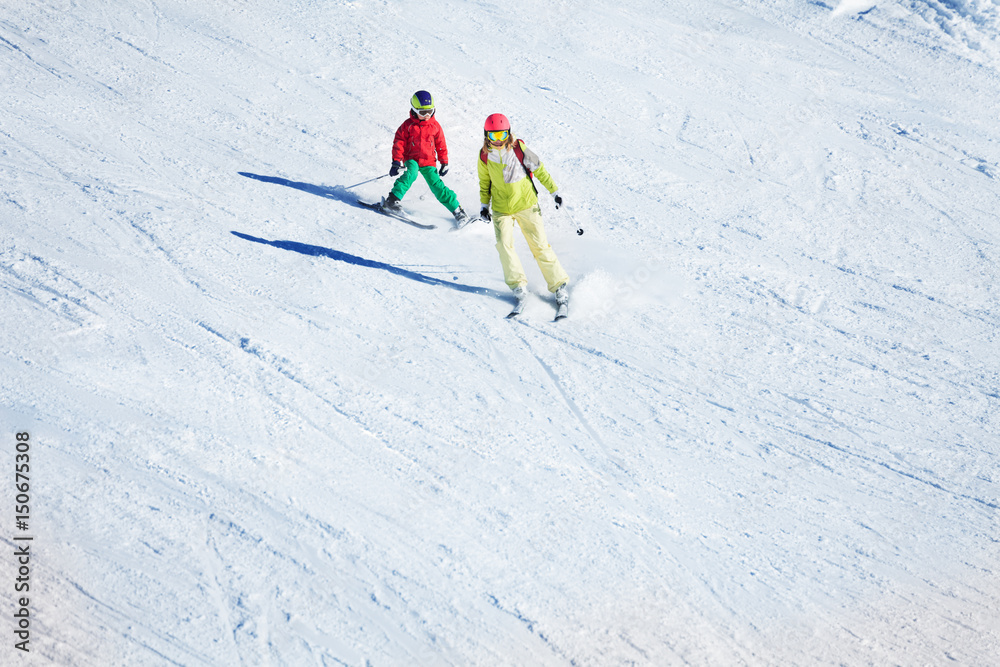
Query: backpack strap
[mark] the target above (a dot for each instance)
(519, 152)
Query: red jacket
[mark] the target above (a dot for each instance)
(420, 140)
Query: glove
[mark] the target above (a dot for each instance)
(394, 171)
(558, 198)
(484, 213)
(443, 170)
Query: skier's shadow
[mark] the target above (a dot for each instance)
(320, 251)
(337, 192)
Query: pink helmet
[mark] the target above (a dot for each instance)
(496, 123)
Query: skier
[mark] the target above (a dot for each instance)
(505, 168)
(417, 147)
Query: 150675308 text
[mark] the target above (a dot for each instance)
(22, 541)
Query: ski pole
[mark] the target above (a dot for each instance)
(368, 181)
(579, 230)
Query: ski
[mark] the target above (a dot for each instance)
(562, 309)
(392, 214)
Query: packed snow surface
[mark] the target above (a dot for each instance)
(268, 426)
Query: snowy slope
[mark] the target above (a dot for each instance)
(270, 427)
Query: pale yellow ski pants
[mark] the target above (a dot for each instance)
(530, 222)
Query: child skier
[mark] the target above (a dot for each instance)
(505, 166)
(417, 147)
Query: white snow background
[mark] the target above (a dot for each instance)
(270, 427)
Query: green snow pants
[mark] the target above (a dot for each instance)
(443, 193)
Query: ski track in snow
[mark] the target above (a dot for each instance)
(271, 427)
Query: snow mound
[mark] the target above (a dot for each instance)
(971, 28)
(973, 25)
(853, 7)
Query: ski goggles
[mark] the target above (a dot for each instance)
(498, 136)
(424, 113)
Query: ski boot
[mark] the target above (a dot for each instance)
(521, 294)
(391, 203)
(562, 302)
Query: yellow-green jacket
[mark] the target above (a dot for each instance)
(502, 179)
